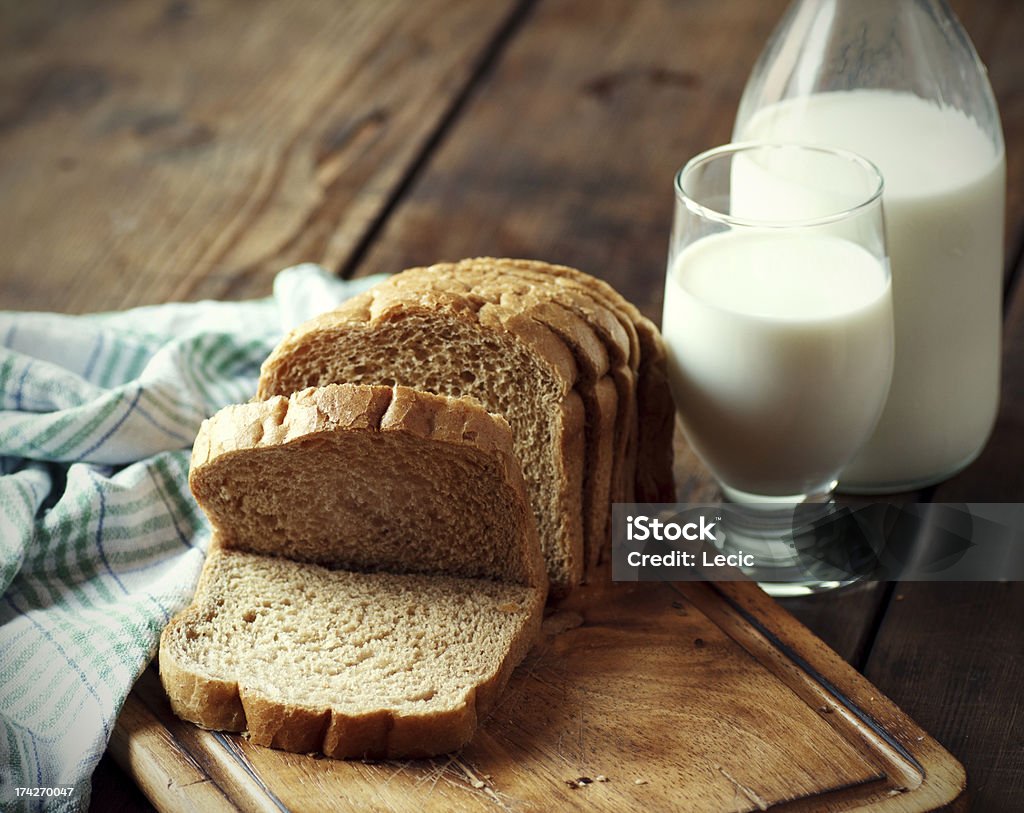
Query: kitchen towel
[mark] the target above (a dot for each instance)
(100, 539)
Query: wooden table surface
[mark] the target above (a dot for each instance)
(154, 151)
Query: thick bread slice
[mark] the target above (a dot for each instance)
(597, 389)
(356, 664)
(368, 478)
(365, 665)
(614, 329)
(655, 406)
(453, 343)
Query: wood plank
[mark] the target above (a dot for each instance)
(680, 696)
(952, 656)
(153, 151)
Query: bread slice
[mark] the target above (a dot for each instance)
(448, 341)
(353, 665)
(597, 389)
(369, 478)
(655, 481)
(399, 662)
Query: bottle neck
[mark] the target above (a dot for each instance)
(904, 46)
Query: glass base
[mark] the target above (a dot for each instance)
(797, 589)
(788, 539)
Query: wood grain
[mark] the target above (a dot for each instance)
(677, 696)
(154, 151)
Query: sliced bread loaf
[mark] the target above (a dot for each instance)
(445, 340)
(352, 663)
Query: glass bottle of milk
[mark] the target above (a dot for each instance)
(899, 82)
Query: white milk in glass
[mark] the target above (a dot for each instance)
(944, 198)
(779, 349)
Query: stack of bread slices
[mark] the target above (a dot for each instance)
(384, 515)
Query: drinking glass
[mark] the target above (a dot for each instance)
(779, 329)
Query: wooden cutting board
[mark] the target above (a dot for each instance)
(664, 696)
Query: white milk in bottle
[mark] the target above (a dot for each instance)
(944, 200)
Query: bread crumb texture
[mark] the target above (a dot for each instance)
(373, 653)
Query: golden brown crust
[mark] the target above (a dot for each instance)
(572, 291)
(347, 407)
(210, 703)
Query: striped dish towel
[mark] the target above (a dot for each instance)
(100, 539)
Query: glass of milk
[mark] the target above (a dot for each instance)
(778, 319)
